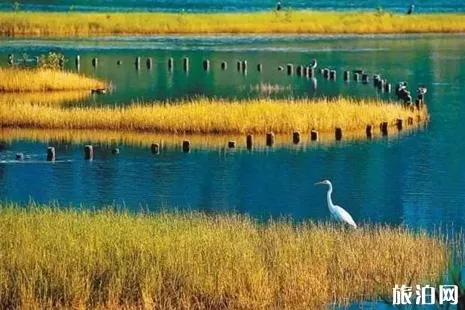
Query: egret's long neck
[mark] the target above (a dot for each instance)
(330, 201)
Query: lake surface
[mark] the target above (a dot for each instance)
(232, 5)
(417, 179)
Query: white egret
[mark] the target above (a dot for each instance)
(337, 213)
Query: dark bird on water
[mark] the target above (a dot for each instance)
(411, 9)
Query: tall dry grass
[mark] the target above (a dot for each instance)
(211, 116)
(85, 23)
(60, 258)
(44, 80)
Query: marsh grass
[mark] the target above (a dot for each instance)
(213, 116)
(67, 258)
(85, 23)
(44, 80)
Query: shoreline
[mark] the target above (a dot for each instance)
(282, 22)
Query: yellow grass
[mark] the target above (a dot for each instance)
(83, 259)
(75, 23)
(211, 116)
(39, 80)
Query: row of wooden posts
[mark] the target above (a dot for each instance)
(242, 66)
(269, 140)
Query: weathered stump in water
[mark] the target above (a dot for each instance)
(206, 65)
(95, 62)
(170, 64)
(50, 153)
(19, 156)
(346, 75)
(232, 144)
(369, 131)
(224, 65)
(270, 139)
(290, 69)
(338, 134)
(296, 137)
(314, 135)
(383, 127)
(259, 67)
(249, 141)
(137, 63)
(185, 64)
(88, 152)
(149, 63)
(399, 124)
(155, 148)
(186, 146)
(332, 75)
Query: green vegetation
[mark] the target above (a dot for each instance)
(84, 23)
(58, 258)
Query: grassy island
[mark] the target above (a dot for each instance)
(211, 116)
(63, 258)
(44, 80)
(303, 22)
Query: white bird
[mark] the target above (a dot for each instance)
(337, 213)
(314, 64)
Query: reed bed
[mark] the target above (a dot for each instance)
(213, 116)
(44, 80)
(50, 98)
(52, 257)
(305, 22)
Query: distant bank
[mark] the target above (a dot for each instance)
(283, 22)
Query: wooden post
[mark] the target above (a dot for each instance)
(149, 63)
(296, 137)
(170, 63)
(410, 121)
(399, 124)
(119, 62)
(314, 135)
(280, 68)
(384, 128)
(137, 63)
(50, 153)
(259, 67)
(77, 62)
(365, 78)
(186, 146)
(206, 65)
(239, 66)
(300, 70)
(244, 66)
(224, 65)
(338, 134)
(332, 75)
(155, 148)
(115, 151)
(249, 141)
(290, 69)
(95, 62)
(88, 152)
(369, 131)
(356, 76)
(269, 139)
(231, 144)
(346, 75)
(185, 64)
(387, 87)
(19, 156)
(326, 73)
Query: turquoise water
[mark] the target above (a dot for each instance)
(232, 5)
(417, 179)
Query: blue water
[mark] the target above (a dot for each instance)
(417, 179)
(231, 5)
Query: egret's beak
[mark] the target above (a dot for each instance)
(318, 183)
